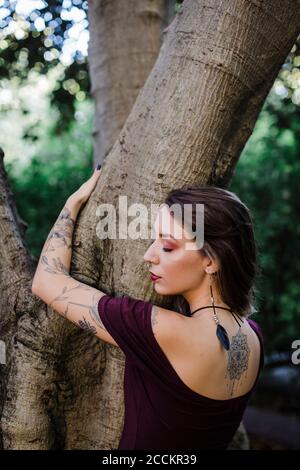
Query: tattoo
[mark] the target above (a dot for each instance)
(85, 325)
(58, 266)
(61, 233)
(238, 358)
(92, 310)
(154, 313)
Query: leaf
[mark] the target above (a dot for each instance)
(44, 259)
(223, 337)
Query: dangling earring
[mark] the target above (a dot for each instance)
(221, 332)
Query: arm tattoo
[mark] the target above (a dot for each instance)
(92, 309)
(57, 268)
(85, 325)
(61, 233)
(154, 314)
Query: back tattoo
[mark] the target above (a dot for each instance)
(238, 359)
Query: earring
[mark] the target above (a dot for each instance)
(221, 332)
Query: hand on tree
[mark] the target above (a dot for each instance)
(83, 193)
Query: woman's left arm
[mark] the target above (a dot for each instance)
(52, 283)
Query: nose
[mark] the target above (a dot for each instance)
(150, 255)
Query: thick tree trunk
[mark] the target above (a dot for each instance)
(124, 42)
(46, 398)
(189, 124)
(64, 388)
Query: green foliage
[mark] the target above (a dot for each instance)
(38, 43)
(178, 6)
(267, 180)
(41, 187)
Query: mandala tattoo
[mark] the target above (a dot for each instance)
(238, 358)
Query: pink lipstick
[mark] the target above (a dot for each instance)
(153, 277)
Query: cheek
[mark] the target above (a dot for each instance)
(176, 268)
(185, 266)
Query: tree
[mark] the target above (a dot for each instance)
(33, 39)
(189, 123)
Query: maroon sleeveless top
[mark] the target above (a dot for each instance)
(161, 412)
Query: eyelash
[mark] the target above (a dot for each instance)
(167, 249)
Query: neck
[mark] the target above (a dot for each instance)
(196, 301)
(201, 297)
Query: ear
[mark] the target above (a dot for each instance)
(211, 265)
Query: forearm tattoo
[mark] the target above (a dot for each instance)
(91, 309)
(61, 233)
(61, 237)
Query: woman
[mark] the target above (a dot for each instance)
(188, 377)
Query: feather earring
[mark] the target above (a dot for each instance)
(221, 332)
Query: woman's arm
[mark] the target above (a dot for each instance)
(52, 282)
(55, 258)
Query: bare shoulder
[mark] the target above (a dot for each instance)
(166, 324)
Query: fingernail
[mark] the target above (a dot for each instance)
(98, 166)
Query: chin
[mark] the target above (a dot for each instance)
(163, 291)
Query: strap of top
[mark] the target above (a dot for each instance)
(223, 308)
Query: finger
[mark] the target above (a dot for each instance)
(97, 171)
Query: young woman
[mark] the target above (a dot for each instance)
(188, 375)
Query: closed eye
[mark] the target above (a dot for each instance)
(167, 249)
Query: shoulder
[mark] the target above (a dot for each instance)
(167, 325)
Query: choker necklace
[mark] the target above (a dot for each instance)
(221, 332)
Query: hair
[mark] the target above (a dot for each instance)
(228, 238)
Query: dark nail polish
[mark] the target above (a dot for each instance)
(98, 166)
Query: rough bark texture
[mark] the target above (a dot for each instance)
(124, 42)
(47, 393)
(16, 305)
(62, 387)
(189, 124)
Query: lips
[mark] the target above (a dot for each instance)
(154, 277)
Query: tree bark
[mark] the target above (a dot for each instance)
(125, 38)
(43, 383)
(188, 124)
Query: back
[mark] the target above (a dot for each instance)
(204, 366)
(161, 412)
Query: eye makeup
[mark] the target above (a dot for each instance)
(168, 245)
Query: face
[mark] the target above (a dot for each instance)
(181, 270)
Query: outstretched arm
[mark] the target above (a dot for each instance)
(52, 282)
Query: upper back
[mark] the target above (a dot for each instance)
(204, 366)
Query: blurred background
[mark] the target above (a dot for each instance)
(46, 117)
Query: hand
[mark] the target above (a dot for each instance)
(83, 193)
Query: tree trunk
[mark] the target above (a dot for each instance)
(124, 42)
(188, 124)
(43, 383)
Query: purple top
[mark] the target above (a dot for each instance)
(161, 412)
